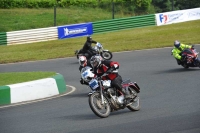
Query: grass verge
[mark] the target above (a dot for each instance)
(19, 77)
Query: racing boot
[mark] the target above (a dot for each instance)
(178, 62)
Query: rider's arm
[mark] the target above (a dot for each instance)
(186, 46)
(93, 41)
(114, 65)
(176, 54)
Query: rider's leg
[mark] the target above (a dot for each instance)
(178, 61)
(90, 53)
(117, 83)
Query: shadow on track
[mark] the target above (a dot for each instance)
(77, 95)
(91, 116)
(178, 70)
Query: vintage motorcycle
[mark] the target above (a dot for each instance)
(105, 99)
(97, 50)
(190, 56)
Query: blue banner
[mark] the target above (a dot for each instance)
(75, 30)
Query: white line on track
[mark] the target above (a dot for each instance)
(43, 99)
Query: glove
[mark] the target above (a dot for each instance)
(98, 44)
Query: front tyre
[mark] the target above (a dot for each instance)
(99, 109)
(107, 55)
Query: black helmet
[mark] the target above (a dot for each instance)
(177, 44)
(89, 38)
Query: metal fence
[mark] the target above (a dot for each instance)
(123, 23)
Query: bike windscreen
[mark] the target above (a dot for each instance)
(86, 73)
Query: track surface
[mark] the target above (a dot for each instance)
(170, 99)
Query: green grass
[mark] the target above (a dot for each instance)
(22, 19)
(131, 39)
(18, 77)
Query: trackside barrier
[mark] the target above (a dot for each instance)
(123, 23)
(32, 90)
(31, 36)
(177, 16)
(3, 38)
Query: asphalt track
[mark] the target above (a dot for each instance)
(170, 99)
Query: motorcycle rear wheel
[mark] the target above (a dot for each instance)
(135, 103)
(101, 110)
(107, 55)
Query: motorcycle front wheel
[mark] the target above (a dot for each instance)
(107, 55)
(135, 103)
(99, 109)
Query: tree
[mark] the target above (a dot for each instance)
(162, 5)
(142, 4)
(187, 4)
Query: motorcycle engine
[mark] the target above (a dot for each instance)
(113, 98)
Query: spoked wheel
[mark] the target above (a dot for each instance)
(99, 109)
(134, 103)
(107, 55)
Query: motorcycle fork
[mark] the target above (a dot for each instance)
(101, 93)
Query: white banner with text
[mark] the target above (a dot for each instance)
(177, 16)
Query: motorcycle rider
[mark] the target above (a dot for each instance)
(87, 48)
(110, 67)
(178, 48)
(83, 63)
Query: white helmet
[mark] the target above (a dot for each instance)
(82, 61)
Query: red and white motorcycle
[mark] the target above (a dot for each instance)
(105, 99)
(190, 56)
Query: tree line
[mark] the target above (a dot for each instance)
(127, 6)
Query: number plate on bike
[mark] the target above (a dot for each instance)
(84, 74)
(93, 84)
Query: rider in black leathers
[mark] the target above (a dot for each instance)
(87, 48)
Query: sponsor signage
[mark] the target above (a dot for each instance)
(177, 16)
(76, 30)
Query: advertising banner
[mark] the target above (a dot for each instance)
(75, 30)
(177, 16)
